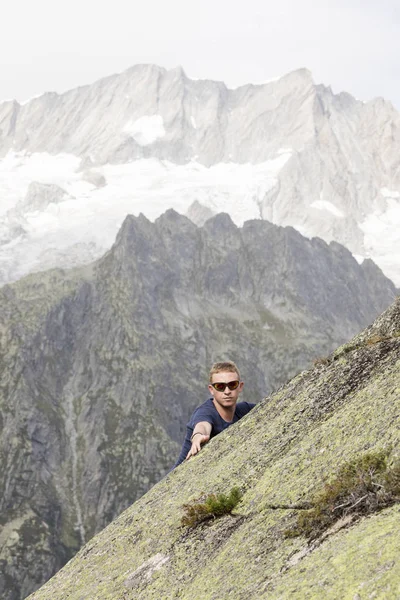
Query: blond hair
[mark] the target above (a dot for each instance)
(228, 366)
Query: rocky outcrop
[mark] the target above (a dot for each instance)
(279, 455)
(198, 213)
(39, 196)
(94, 177)
(101, 366)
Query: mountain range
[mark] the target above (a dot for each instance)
(148, 139)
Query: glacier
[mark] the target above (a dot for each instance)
(83, 225)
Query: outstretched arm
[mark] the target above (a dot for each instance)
(201, 435)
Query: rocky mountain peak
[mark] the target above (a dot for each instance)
(178, 72)
(144, 68)
(172, 217)
(220, 223)
(298, 78)
(132, 233)
(198, 213)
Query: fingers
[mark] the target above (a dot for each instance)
(196, 445)
(193, 450)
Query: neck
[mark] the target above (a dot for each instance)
(227, 413)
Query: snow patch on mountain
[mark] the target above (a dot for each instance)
(382, 238)
(360, 259)
(146, 130)
(325, 205)
(389, 193)
(27, 100)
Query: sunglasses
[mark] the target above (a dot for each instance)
(221, 386)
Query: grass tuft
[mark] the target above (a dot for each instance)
(214, 505)
(363, 486)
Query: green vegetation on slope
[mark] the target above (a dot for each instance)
(362, 486)
(214, 505)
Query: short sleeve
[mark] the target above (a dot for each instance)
(205, 412)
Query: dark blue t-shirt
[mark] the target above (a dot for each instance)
(208, 412)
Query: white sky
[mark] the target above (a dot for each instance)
(352, 45)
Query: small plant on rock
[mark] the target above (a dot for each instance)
(362, 486)
(321, 361)
(214, 505)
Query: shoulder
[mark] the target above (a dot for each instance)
(242, 408)
(204, 412)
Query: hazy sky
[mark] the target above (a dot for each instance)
(352, 45)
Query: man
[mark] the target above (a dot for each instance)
(218, 412)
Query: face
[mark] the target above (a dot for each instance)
(228, 398)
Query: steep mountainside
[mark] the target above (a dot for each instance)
(280, 455)
(148, 139)
(101, 366)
